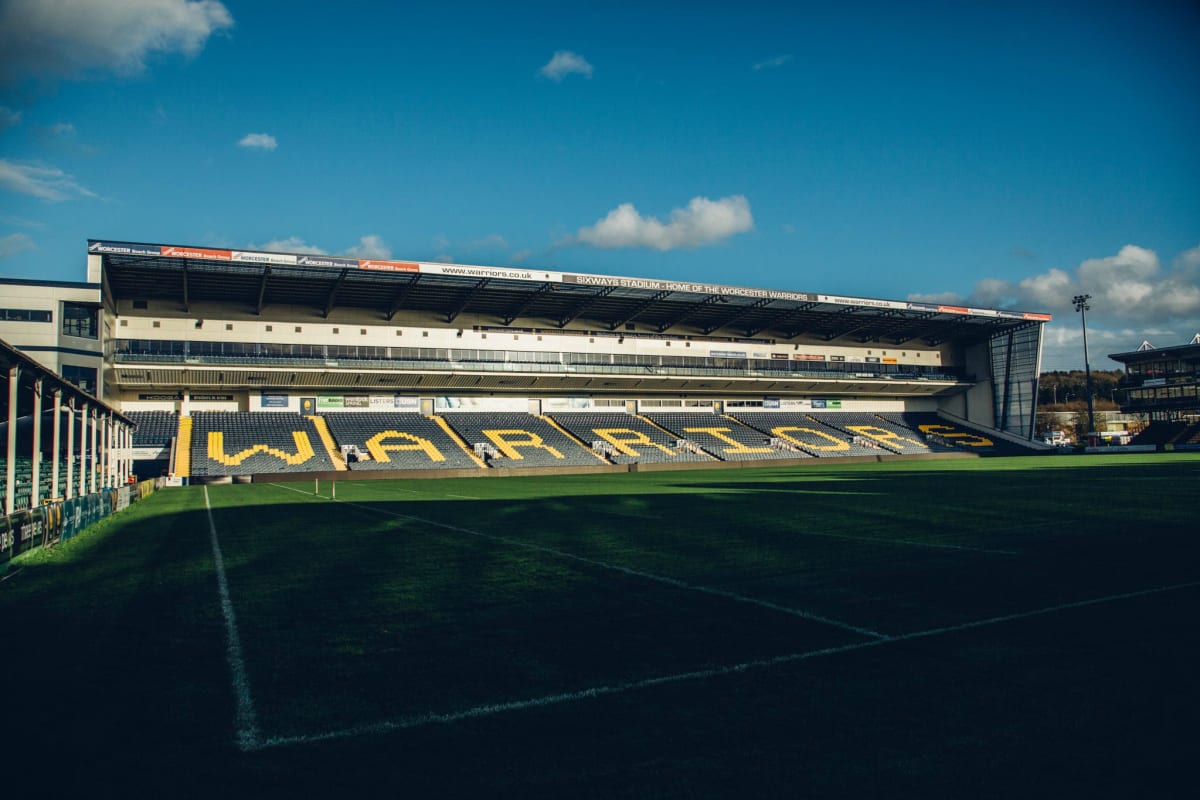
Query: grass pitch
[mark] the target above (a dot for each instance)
(908, 628)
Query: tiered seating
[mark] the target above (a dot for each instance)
(23, 472)
(721, 436)
(153, 427)
(942, 434)
(397, 440)
(1158, 433)
(811, 435)
(889, 433)
(1191, 435)
(248, 443)
(633, 440)
(519, 440)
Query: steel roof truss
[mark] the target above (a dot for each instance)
(530, 299)
(638, 309)
(738, 313)
(692, 309)
(467, 297)
(584, 305)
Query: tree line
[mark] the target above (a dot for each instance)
(1067, 390)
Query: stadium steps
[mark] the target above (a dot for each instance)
(1189, 435)
(182, 457)
(335, 456)
(787, 447)
(584, 445)
(700, 451)
(458, 440)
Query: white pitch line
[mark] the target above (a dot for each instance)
(911, 543)
(246, 719)
(637, 573)
(406, 723)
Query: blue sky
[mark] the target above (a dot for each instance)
(1004, 154)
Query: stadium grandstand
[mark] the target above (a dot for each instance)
(1164, 384)
(225, 364)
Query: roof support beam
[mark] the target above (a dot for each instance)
(737, 314)
(584, 305)
(333, 292)
(529, 300)
(262, 289)
(784, 316)
(400, 297)
(186, 304)
(687, 312)
(632, 315)
(468, 296)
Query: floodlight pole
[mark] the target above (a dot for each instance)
(1081, 305)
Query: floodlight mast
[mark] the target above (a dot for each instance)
(1081, 305)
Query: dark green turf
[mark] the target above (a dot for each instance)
(408, 598)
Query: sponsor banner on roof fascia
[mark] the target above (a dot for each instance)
(861, 301)
(124, 248)
(326, 261)
(684, 286)
(204, 253)
(1041, 317)
(388, 266)
(507, 273)
(263, 258)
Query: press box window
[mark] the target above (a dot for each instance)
(83, 377)
(80, 320)
(24, 315)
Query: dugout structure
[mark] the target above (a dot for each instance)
(203, 329)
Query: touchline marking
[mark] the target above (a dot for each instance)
(418, 721)
(247, 720)
(911, 543)
(678, 584)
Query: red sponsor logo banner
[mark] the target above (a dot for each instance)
(953, 310)
(807, 357)
(389, 266)
(889, 361)
(1042, 317)
(197, 252)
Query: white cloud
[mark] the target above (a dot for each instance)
(1133, 297)
(9, 118)
(15, 243)
(703, 222)
(48, 183)
(68, 38)
(292, 244)
(564, 63)
(368, 247)
(773, 63)
(258, 141)
(62, 129)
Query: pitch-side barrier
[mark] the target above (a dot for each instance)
(59, 520)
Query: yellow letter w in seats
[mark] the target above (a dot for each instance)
(216, 450)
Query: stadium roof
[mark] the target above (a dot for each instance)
(31, 371)
(256, 280)
(1189, 351)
